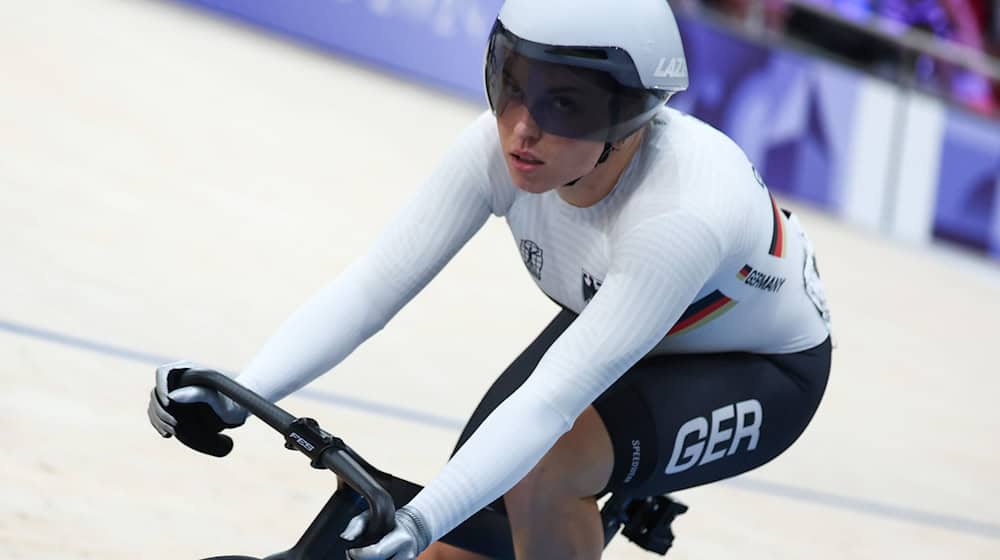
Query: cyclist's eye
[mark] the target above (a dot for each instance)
(563, 104)
(510, 84)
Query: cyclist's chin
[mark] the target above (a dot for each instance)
(530, 182)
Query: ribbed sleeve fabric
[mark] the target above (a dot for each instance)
(426, 233)
(658, 268)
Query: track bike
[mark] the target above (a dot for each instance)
(360, 486)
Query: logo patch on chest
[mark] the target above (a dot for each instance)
(531, 254)
(590, 286)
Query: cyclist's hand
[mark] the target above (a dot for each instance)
(195, 415)
(404, 542)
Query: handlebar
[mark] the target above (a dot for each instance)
(305, 435)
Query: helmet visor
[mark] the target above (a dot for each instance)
(591, 93)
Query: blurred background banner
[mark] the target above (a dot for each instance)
(863, 137)
(968, 206)
(438, 41)
(792, 114)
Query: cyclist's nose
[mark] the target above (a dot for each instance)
(525, 127)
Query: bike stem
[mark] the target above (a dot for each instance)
(324, 451)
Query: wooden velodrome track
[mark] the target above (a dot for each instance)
(174, 185)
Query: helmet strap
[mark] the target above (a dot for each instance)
(614, 111)
(608, 148)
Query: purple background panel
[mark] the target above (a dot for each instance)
(717, 63)
(791, 114)
(968, 203)
(436, 41)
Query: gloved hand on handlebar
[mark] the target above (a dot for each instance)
(195, 415)
(405, 542)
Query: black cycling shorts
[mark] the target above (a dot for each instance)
(681, 420)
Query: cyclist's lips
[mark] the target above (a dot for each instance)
(525, 161)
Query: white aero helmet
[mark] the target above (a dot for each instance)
(588, 69)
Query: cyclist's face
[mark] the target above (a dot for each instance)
(538, 160)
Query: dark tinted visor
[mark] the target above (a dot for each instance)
(576, 92)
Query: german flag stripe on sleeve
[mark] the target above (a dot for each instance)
(702, 312)
(778, 236)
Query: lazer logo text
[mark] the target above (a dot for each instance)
(671, 68)
(701, 440)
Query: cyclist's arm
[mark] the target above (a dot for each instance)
(441, 217)
(657, 270)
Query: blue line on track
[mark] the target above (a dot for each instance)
(858, 505)
(868, 507)
(82, 343)
(381, 409)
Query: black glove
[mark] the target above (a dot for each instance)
(196, 415)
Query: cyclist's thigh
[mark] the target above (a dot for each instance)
(678, 421)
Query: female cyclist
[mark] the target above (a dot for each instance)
(693, 341)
